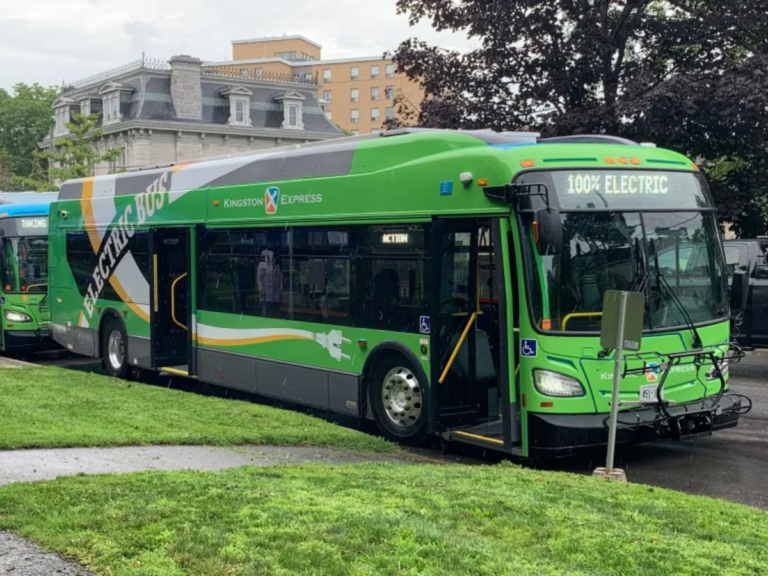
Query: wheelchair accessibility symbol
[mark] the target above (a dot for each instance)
(424, 324)
(529, 348)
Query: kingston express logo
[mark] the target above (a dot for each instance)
(652, 372)
(271, 200)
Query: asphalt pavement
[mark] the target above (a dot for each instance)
(731, 464)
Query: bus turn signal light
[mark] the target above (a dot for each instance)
(546, 324)
(528, 163)
(482, 182)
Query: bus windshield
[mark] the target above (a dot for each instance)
(675, 258)
(25, 265)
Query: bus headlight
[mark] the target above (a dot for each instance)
(554, 384)
(14, 316)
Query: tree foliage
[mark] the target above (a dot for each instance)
(691, 75)
(25, 120)
(77, 154)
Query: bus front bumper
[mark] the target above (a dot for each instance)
(20, 340)
(552, 435)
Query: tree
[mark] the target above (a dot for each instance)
(77, 155)
(691, 75)
(25, 120)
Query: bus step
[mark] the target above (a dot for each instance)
(177, 371)
(482, 441)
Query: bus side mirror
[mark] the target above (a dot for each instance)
(739, 291)
(548, 231)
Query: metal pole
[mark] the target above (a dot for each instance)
(616, 385)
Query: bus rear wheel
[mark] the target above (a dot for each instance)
(114, 348)
(398, 400)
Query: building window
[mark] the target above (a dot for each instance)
(329, 115)
(62, 118)
(375, 93)
(374, 71)
(327, 96)
(327, 75)
(112, 108)
(389, 92)
(355, 117)
(239, 112)
(355, 132)
(389, 70)
(375, 131)
(354, 73)
(375, 114)
(85, 108)
(293, 116)
(258, 73)
(389, 112)
(355, 95)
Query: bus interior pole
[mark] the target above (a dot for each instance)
(616, 385)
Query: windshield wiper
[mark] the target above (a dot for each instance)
(662, 283)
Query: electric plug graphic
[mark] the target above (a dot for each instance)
(333, 341)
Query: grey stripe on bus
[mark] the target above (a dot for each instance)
(305, 385)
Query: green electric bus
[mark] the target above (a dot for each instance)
(438, 282)
(24, 304)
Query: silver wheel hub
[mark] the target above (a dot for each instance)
(402, 397)
(115, 349)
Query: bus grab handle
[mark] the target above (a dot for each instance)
(458, 345)
(173, 301)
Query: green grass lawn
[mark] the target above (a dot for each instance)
(384, 519)
(56, 408)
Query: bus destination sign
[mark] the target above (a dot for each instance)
(627, 189)
(26, 226)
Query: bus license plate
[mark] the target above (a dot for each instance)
(649, 393)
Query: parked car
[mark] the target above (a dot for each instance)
(750, 329)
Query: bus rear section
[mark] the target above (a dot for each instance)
(24, 304)
(437, 282)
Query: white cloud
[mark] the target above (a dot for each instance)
(49, 41)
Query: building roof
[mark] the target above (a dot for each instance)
(145, 96)
(277, 38)
(299, 64)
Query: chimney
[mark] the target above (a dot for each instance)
(186, 91)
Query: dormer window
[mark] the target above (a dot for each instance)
(62, 109)
(293, 109)
(110, 94)
(239, 105)
(85, 107)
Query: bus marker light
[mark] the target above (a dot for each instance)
(215, 202)
(624, 161)
(695, 166)
(610, 160)
(528, 163)
(547, 404)
(482, 182)
(424, 349)
(4, 215)
(535, 231)
(636, 161)
(525, 401)
(362, 343)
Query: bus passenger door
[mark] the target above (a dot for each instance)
(460, 352)
(171, 297)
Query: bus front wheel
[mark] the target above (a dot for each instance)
(114, 348)
(398, 400)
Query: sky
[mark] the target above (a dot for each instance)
(52, 41)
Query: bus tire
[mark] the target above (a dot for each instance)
(114, 348)
(398, 400)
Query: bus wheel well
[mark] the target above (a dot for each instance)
(380, 353)
(109, 314)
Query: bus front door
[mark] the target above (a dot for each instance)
(171, 310)
(460, 351)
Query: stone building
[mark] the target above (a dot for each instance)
(159, 112)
